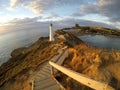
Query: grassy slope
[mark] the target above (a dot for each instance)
(99, 64)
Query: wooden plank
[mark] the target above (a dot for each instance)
(41, 79)
(82, 78)
(42, 85)
(45, 73)
(53, 87)
(62, 58)
(57, 56)
(45, 70)
(48, 68)
(40, 76)
(45, 81)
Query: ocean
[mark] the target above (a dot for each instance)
(16, 39)
(101, 41)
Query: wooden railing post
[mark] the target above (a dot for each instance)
(32, 86)
(52, 70)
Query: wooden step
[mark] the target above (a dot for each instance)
(41, 78)
(45, 70)
(62, 58)
(44, 84)
(48, 68)
(55, 58)
(54, 87)
(43, 74)
(44, 81)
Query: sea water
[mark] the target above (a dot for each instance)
(101, 41)
(16, 39)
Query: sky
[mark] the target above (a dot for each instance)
(36, 14)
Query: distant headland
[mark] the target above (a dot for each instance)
(79, 30)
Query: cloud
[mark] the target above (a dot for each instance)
(51, 16)
(13, 2)
(24, 21)
(35, 24)
(110, 8)
(10, 8)
(107, 8)
(40, 6)
(87, 8)
(68, 22)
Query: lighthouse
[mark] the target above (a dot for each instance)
(51, 38)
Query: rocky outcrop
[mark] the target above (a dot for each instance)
(67, 37)
(19, 51)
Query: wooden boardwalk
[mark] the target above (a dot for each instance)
(44, 80)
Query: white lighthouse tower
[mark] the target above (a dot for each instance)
(51, 38)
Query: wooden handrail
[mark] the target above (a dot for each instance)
(97, 85)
